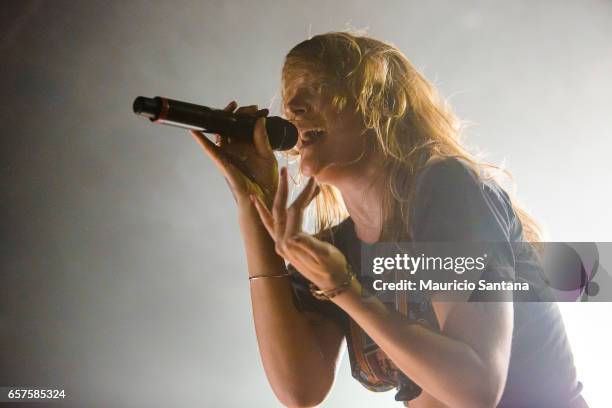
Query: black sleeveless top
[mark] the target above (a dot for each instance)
(452, 204)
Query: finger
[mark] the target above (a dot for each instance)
(295, 212)
(316, 248)
(264, 214)
(262, 112)
(308, 193)
(247, 110)
(261, 138)
(279, 210)
(293, 223)
(230, 107)
(218, 138)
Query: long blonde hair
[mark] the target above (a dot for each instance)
(412, 124)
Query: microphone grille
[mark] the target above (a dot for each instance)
(282, 134)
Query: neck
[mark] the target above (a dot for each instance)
(362, 190)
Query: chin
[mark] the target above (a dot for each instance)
(312, 166)
(308, 169)
(319, 171)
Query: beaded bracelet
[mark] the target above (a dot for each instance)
(328, 294)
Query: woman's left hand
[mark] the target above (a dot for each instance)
(318, 261)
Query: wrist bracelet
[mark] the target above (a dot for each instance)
(252, 278)
(328, 294)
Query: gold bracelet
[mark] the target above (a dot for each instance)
(252, 278)
(328, 294)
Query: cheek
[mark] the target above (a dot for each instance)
(345, 143)
(347, 138)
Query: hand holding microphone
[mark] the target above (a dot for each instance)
(281, 133)
(244, 146)
(248, 167)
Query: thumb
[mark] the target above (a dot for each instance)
(260, 138)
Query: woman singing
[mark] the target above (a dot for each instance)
(384, 164)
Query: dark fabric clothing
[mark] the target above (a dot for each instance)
(454, 205)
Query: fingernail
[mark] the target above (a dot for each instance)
(296, 238)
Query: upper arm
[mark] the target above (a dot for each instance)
(486, 327)
(324, 318)
(329, 337)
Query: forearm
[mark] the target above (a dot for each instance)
(449, 370)
(295, 366)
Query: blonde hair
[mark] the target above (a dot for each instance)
(412, 124)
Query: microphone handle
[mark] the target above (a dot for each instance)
(281, 133)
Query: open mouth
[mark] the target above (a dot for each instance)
(311, 136)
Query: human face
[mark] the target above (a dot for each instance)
(331, 142)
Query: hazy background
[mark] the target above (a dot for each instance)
(122, 274)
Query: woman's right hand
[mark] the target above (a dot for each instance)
(249, 165)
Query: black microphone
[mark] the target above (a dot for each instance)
(281, 133)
